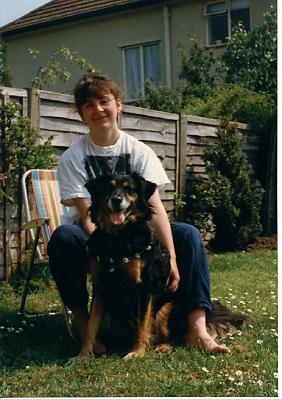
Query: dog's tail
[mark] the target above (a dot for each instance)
(222, 322)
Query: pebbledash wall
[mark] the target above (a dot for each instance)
(179, 141)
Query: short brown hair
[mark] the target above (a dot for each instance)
(92, 85)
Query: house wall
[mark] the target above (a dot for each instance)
(100, 40)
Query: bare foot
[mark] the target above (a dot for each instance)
(206, 343)
(135, 354)
(81, 357)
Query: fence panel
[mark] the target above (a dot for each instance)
(201, 133)
(178, 140)
(158, 130)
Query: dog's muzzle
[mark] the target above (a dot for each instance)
(119, 208)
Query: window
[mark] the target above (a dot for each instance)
(141, 63)
(222, 16)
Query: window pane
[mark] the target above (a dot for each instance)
(216, 8)
(132, 73)
(240, 4)
(152, 63)
(217, 29)
(243, 16)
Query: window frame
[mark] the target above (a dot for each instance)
(140, 47)
(229, 22)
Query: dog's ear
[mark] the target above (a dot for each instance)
(147, 188)
(93, 187)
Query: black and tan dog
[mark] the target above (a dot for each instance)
(130, 269)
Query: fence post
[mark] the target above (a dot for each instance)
(270, 205)
(182, 152)
(34, 108)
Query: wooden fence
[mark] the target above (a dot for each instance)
(179, 141)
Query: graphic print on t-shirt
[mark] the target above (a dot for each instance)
(107, 165)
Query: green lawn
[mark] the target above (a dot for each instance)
(34, 350)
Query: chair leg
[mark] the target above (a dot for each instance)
(30, 270)
(68, 321)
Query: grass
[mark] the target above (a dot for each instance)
(35, 349)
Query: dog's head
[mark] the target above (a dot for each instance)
(119, 199)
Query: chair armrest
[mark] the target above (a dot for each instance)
(33, 224)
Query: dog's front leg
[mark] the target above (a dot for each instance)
(142, 338)
(94, 322)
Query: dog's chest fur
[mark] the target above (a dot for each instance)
(129, 264)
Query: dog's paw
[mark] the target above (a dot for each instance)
(81, 357)
(163, 348)
(135, 354)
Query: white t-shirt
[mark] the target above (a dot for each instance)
(84, 160)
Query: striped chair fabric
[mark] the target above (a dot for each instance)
(46, 194)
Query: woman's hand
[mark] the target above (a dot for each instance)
(174, 278)
(82, 205)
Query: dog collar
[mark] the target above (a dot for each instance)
(114, 263)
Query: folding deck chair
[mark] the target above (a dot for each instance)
(45, 196)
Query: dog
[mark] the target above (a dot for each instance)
(130, 269)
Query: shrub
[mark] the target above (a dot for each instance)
(200, 72)
(250, 58)
(236, 103)
(160, 98)
(229, 194)
(21, 145)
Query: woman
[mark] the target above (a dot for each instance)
(107, 149)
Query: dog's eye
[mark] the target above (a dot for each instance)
(113, 183)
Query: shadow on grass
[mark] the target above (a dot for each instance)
(40, 339)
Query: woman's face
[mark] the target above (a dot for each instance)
(102, 112)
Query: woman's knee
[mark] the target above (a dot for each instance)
(183, 232)
(65, 238)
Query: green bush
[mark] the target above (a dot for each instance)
(21, 143)
(200, 72)
(236, 103)
(160, 98)
(250, 58)
(228, 195)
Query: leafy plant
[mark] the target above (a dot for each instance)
(250, 58)
(236, 103)
(200, 71)
(229, 195)
(21, 147)
(55, 67)
(160, 98)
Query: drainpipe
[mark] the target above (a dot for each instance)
(167, 46)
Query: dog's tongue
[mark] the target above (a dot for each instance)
(117, 218)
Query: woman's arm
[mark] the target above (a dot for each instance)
(82, 205)
(161, 225)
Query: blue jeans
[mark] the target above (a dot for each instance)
(69, 266)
